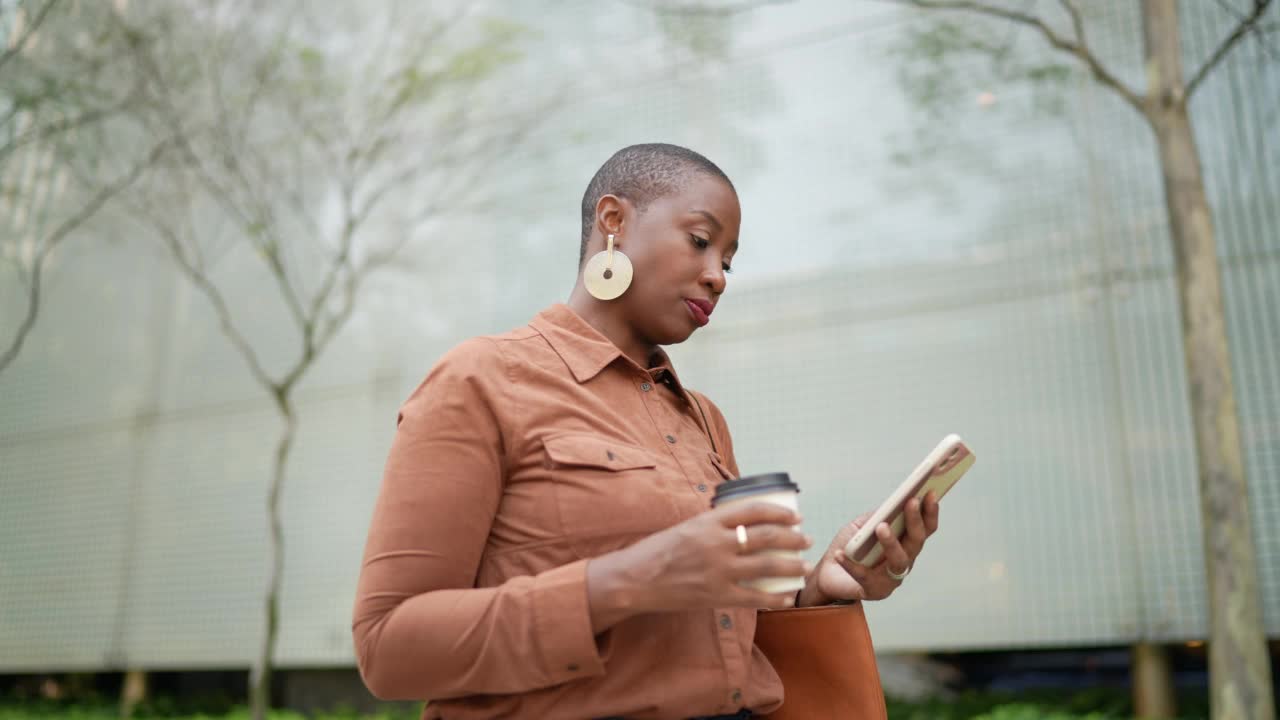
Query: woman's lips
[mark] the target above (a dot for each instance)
(700, 309)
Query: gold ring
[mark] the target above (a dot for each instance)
(742, 538)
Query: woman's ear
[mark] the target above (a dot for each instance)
(611, 213)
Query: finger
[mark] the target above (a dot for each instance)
(895, 557)
(861, 520)
(754, 567)
(770, 537)
(916, 534)
(756, 513)
(856, 571)
(761, 600)
(931, 511)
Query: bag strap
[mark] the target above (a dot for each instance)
(705, 425)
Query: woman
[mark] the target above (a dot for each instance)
(543, 544)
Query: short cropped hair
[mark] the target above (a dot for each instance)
(642, 174)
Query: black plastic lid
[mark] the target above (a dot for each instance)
(754, 485)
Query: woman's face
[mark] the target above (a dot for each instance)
(681, 246)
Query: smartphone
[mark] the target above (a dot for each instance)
(940, 469)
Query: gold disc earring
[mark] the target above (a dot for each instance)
(608, 273)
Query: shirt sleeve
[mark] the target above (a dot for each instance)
(422, 631)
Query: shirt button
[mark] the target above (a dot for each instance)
(726, 622)
(671, 439)
(646, 387)
(702, 487)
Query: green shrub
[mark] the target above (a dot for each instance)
(1092, 704)
(168, 709)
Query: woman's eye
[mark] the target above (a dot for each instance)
(726, 268)
(700, 242)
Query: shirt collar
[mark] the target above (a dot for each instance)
(587, 352)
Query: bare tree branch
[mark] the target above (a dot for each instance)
(1259, 30)
(7, 124)
(20, 44)
(171, 118)
(192, 265)
(253, 220)
(356, 215)
(65, 125)
(1077, 21)
(68, 226)
(351, 290)
(702, 9)
(424, 46)
(78, 79)
(173, 241)
(350, 224)
(231, 127)
(479, 162)
(1246, 24)
(1077, 48)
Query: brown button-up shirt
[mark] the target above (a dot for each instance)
(519, 458)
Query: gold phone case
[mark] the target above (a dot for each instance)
(939, 471)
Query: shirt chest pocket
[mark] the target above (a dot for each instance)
(607, 493)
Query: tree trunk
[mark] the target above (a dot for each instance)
(1152, 678)
(1239, 670)
(133, 692)
(260, 676)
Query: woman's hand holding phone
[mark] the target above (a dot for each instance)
(869, 558)
(836, 577)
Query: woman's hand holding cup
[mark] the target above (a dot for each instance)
(700, 563)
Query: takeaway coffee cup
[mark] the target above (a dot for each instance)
(775, 488)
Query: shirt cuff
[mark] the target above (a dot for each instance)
(562, 621)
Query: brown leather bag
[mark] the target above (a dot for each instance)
(825, 659)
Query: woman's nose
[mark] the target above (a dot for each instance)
(714, 280)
